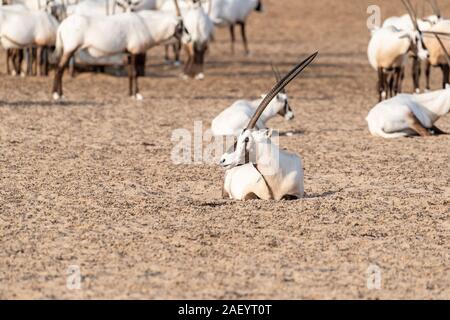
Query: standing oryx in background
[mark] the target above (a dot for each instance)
(388, 53)
(256, 167)
(406, 23)
(21, 28)
(200, 27)
(130, 32)
(234, 12)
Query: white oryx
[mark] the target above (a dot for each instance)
(234, 12)
(21, 28)
(232, 120)
(406, 23)
(200, 27)
(388, 53)
(256, 167)
(131, 32)
(408, 115)
(438, 57)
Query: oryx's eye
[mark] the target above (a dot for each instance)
(246, 140)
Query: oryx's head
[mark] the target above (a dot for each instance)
(250, 142)
(416, 37)
(181, 32)
(259, 6)
(418, 47)
(128, 5)
(281, 102)
(246, 148)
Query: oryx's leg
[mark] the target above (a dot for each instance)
(176, 52)
(381, 84)
(416, 126)
(39, 60)
(397, 80)
(140, 64)
(134, 60)
(391, 82)
(437, 131)
(18, 61)
(190, 59)
(8, 60)
(251, 196)
(416, 71)
(233, 38)
(130, 76)
(427, 75)
(244, 37)
(57, 82)
(45, 58)
(34, 60)
(166, 53)
(225, 194)
(445, 75)
(27, 61)
(400, 80)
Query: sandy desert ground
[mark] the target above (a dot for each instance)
(90, 182)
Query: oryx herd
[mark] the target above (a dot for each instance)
(67, 33)
(63, 33)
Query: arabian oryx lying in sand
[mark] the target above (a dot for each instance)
(232, 120)
(256, 167)
(131, 32)
(408, 115)
(388, 53)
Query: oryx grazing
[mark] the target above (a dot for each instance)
(232, 120)
(22, 28)
(229, 13)
(131, 32)
(408, 115)
(256, 167)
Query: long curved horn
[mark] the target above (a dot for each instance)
(411, 13)
(443, 47)
(177, 8)
(436, 9)
(278, 87)
(275, 72)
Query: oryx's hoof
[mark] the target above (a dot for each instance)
(57, 97)
(139, 97)
(417, 91)
(447, 86)
(184, 77)
(200, 76)
(177, 63)
(13, 73)
(383, 95)
(22, 74)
